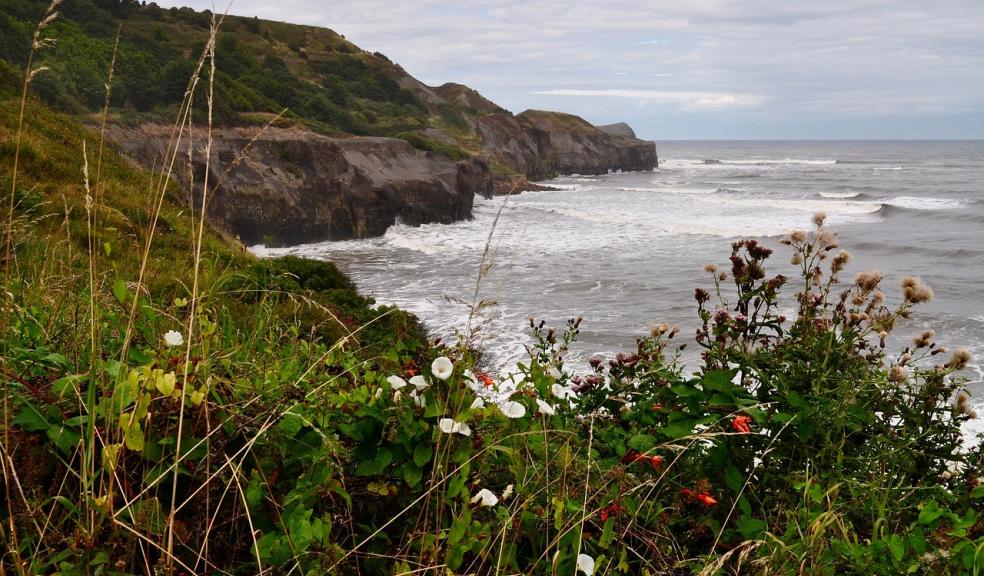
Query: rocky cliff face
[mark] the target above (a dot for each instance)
(293, 186)
(543, 144)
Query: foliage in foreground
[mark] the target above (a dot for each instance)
(172, 405)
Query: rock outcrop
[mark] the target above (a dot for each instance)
(544, 144)
(293, 186)
(618, 129)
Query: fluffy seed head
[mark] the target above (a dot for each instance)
(797, 235)
(898, 374)
(960, 359)
(819, 218)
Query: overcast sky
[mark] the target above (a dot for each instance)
(682, 69)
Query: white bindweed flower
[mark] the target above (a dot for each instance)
(545, 408)
(471, 381)
(419, 399)
(485, 497)
(507, 492)
(396, 382)
(554, 373)
(419, 383)
(397, 395)
(513, 409)
(585, 564)
(173, 338)
(442, 367)
(449, 426)
(478, 404)
(562, 392)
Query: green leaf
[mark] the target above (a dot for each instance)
(642, 442)
(719, 380)
(422, 453)
(977, 493)
(751, 528)
(733, 478)
(685, 390)
(30, 418)
(375, 466)
(64, 438)
(134, 437)
(412, 474)
(897, 546)
(121, 292)
(929, 513)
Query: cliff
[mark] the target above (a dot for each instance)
(541, 145)
(295, 186)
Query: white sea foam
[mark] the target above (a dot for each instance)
(916, 203)
(840, 194)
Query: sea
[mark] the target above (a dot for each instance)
(625, 251)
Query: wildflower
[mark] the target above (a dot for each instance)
(545, 408)
(419, 399)
(478, 404)
(484, 498)
(819, 218)
(841, 260)
(585, 564)
(561, 392)
(507, 492)
(487, 380)
(442, 368)
(710, 268)
(419, 383)
(396, 382)
(512, 409)
(742, 424)
(397, 395)
(868, 280)
(449, 426)
(960, 359)
(705, 499)
(914, 291)
(797, 259)
(196, 397)
(797, 235)
(656, 461)
(898, 374)
(924, 339)
(173, 338)
(827, 239)
(554, 373)
(962, 403)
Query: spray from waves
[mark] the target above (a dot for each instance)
(767, 162)
(842, 195)
(925, 203)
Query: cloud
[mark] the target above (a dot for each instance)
(829, 64)
(688, 100)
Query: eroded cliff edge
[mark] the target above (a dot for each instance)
(293, 186)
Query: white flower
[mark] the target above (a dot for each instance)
(449, 426)
(545, 408)
(442, 367)
(397, 395)
(173, 338)
(485, 497)
(562, 392)
(513, 409)
(396, 382)
(585, 564)
(478, 404)
(379, 393)
(507, 492)
(419, 400)
(471, 381)
(554, 373)
(419, 383)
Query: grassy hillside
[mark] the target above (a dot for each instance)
(324, 81)
(172, 405)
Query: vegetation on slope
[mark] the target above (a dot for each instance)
(172, 405)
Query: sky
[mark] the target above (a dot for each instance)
(687, 69)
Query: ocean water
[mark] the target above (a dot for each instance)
(625, 251)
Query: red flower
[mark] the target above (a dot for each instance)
(609, 511)
(656, 461)
(742, 424)
(487, 380)
(706, 499)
